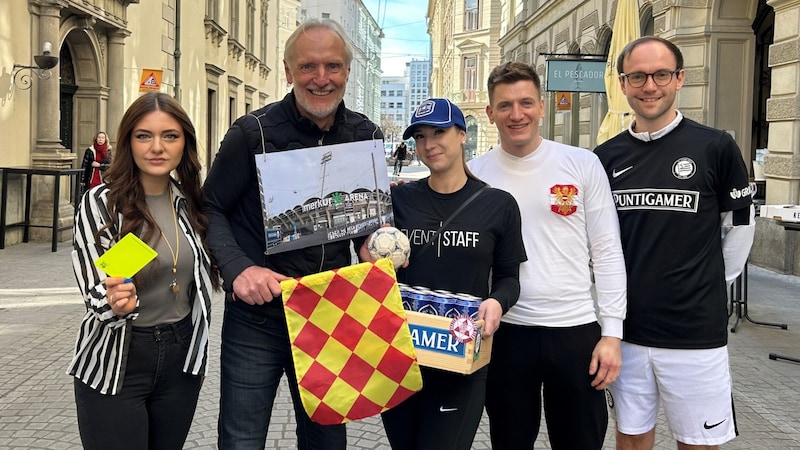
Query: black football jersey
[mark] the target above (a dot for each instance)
(669, 194)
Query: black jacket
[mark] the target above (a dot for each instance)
(86, 165)
(232, 194)
(401, 152)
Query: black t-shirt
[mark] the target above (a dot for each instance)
(669, 194)
(486, 234)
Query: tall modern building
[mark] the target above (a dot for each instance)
(464, 36)
(418, 73)
(394, 108)
(363, 86)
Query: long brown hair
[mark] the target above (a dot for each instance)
(125, 191)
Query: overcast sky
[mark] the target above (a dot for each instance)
(405, 30)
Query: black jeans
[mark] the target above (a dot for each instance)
(156, 404)
(255, 354)
(398, 165)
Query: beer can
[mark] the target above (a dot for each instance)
(405, 297)
(468, 305)
(445, 303)
(427, 304)
(423, 303)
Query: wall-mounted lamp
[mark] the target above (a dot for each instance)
(44, 63)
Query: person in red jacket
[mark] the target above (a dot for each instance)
(96, 160)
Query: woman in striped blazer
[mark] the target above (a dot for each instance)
(141, 351)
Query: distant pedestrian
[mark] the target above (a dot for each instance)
(400, 155)
(141, 351)
(96, 159)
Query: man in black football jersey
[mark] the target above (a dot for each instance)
(686, 217)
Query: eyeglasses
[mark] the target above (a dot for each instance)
(660, 78)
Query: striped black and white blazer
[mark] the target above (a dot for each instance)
(101, 348)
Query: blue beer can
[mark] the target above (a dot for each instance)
(445, 303)
(405, 297)
(422, 302)
(468, 305)
(427, 304)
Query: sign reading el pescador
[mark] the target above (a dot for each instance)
(576, 75)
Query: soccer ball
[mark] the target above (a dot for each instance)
(389, 242)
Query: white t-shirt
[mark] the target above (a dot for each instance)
(568, 221)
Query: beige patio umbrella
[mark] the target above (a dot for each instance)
(626, 29)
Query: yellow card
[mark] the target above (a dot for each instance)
(126, 257)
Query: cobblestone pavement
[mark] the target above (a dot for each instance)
(40, 309)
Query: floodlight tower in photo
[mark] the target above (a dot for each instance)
(326, 158)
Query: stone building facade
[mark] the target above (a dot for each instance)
(742, 59)
(219, 58)
(464, 49)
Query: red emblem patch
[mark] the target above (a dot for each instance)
(562, 199)
(463, 328)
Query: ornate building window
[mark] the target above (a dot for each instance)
(212, 8)
(233, 28)
(470, 83)
(250, 32)
(471, 15)
(263, 33)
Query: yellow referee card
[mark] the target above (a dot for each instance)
(126, 257)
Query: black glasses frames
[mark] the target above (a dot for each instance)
(660, 78)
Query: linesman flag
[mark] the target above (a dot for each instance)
(351, 345)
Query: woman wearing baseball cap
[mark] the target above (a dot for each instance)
(478, 252)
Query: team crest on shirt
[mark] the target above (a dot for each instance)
(562, 199)
(684, 168)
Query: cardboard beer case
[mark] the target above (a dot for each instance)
(783, 213)
(443, 343)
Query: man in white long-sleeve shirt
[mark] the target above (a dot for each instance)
(686, 217)
(556, 342)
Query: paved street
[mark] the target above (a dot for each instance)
(413, 171)
(40, 309)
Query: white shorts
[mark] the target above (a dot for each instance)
(693, 385)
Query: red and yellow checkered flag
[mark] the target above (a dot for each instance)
(351, 345)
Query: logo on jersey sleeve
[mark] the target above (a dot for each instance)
(736, 194)
(562, 199)
(684, 168)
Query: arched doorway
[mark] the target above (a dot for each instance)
(84, 91)
(68, 88)
(764, 29)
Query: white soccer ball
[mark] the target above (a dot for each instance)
(389, 242)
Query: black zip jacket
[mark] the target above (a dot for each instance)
(233, 200)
